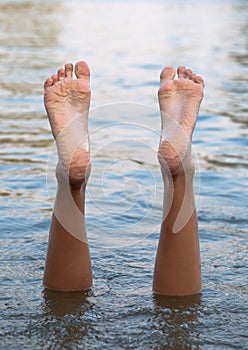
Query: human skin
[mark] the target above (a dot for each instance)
(67, 101)
(68, 265)
(177, 269)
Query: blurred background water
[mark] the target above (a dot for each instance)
(126, 44)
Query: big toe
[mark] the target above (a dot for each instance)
(82, 70)
(168, 73)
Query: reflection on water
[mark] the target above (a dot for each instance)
(126, 44)
(60, 304)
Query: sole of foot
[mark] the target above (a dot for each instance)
(67, 102)
(179, 101)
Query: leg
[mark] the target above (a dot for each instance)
(68, 265)
(177, 268)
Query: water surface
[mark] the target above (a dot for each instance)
(126, 45)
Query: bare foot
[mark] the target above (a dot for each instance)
(67, 103)
(179, 101)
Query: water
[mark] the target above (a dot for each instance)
(126, 44)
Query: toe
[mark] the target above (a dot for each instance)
(199, 80)
(168, 73)
(82, 70)
(55, 78)
(48, 82)
(61, 73)
(180, 71)
(68, 70)
(193, 77)
(187, 73)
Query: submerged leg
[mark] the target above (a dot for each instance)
(177, 268)
(67, 100)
